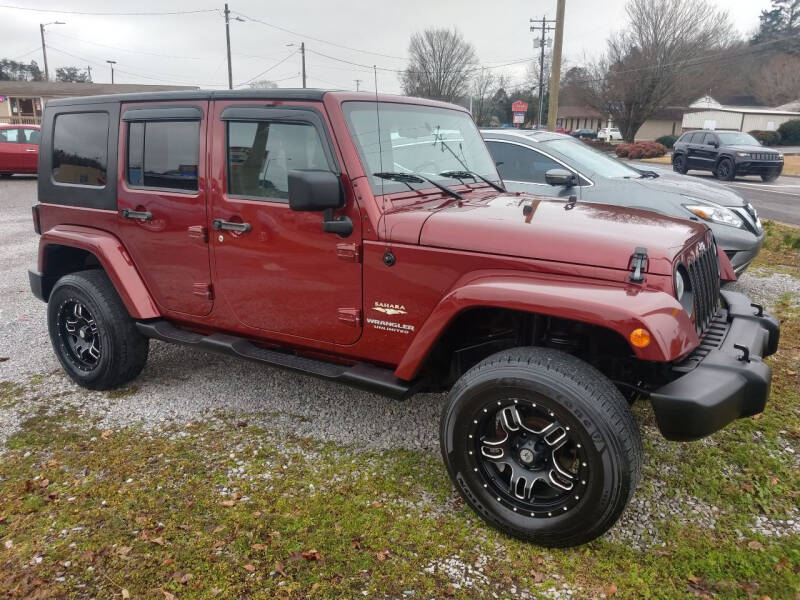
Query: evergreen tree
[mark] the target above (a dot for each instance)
(781, 22)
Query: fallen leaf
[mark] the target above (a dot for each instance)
(256, 513)
(185, 578)
(44, 483)
(383, 554)
(167, 562)
(249, 568)
(537, 576)
(313, 589)
(218, 528)
(258, 547)
(774, 480)
(88, 556)
(377, 504)
(241, 423)
(8, 544)
(764, 598)
(105, 435)
(228, 503)
(167, 595)
(783, 562)
(158, 540)
(279, 568)
(141, 520)
(791, 373)
(125, 593)
(124, 550)
(216, 591)
(611, 590)
(3, 518)
(747, 487)
(451, 591)
(311, 555)
(356, 543)
(755, 545)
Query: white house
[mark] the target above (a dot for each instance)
(710, 114)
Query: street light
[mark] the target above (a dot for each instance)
(112, 63)
(44, 47)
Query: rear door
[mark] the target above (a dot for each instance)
(694, 150)
(284, 275)
(29, 151)
(161, 199)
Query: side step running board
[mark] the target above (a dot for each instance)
(362, 375)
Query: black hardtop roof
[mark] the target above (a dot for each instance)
(259, 94)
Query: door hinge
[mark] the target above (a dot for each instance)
(350, 316)
(638, 265)
(349, 252)
(204, 290)
(199, 233)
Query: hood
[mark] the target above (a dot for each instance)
(674, 183)
(589, 234)
(750, 148)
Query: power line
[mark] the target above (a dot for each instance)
(285, 30)
(111, 14)
(267, 70)
(26, 53)
(143, 52)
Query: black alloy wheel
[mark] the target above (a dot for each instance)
(78, 333)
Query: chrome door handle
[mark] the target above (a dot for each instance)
(127, 213)
(31, 150)
(220, 225)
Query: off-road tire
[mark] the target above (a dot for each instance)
(679, 164)
(122, 349)
(770, 176)
(589, 406)
(725, 170)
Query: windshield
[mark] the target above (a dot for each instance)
(736, 137)
(589, 160)
(416, 139)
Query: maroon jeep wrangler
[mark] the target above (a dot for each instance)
(369, 241)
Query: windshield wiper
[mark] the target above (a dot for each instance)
(473, 175)
(417, 178)
(649, 175)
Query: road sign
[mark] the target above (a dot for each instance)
(519, 107)
(519, 118)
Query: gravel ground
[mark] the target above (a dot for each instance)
(180, 385)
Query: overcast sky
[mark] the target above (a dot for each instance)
(190, 48)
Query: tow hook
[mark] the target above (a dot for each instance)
(759, 309)
(638, 264)
(745, 357)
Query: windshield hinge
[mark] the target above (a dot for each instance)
(638, 265)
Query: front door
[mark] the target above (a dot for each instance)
(161, 200)
(281, 274)
(11, 151)
(29, 141)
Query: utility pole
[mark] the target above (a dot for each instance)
(544, 27)
(303, 58)
(555, 72)
(112, 63)
(228, 43)
(358, 84)
(44, 46)
(89, 70)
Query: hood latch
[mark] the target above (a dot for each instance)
(638, 265)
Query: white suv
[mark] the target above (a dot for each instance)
(604, 134)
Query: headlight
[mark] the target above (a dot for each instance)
(743, 154)
(715, 213)
(780, 156)
(683, 289)
(680, 285)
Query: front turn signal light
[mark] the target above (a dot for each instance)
(640, 338)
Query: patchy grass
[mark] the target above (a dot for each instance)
(233, 511)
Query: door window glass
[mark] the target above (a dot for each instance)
(164, 154)
(80, 148)
(30, 136)
(709, 139)
(9, 135)
(261, 154)
(517, 163)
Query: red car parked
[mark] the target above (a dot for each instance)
(19, 149)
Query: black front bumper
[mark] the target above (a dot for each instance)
(758, 167)
(724, 378)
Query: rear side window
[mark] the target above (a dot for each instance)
(163, 154)
(261, 154)
(80, 148)
(9, 135)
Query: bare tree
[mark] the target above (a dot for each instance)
(779, 80)
(485, 86)
(263, 84)
(664, 55)
(441, 63)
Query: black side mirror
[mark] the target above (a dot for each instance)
(561, 177)
(314, 190)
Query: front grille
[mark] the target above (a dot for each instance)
(710, 340)
(703, 270)
(763, 156)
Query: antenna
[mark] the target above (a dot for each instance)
(388, 256)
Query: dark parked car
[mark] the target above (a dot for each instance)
(726, 154)
(584, 133)
(524, 160)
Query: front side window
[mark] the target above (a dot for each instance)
(261, 154)
(164, 154)
(517, 163)
(30, 136)
(709, 139)
(416, 139)
(80, 148)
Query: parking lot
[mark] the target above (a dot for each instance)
(211, 477)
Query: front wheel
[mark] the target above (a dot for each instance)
(679, 164)
(726, 171)
(542, 446)
(94, 337)
(770, 175)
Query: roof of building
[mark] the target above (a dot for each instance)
(750, 110)
(793, 106)
(565, 112)
(60, 89)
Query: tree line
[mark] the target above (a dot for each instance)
(11, 70)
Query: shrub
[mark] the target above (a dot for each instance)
(768, 138)
(790, 132)
(599, 145)
(622, 150)
(641, 150)
(667, 140)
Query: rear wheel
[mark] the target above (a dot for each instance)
(5, 175)
(542, 446)
(725, 170)
(770, 175)
(679, 164)
(93, 336)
